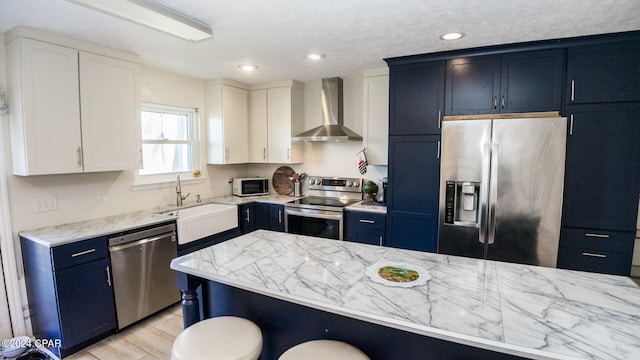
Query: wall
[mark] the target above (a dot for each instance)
(77, 193)
(330, 158)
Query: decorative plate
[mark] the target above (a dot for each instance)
(281, 182)
(398, 274)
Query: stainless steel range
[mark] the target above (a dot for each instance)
(321, 213)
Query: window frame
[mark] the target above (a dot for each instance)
(194, 141)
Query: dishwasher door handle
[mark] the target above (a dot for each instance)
(143, 241)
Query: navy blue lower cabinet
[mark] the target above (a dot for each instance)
(285, 324)
(270, 217)
(82, 290)
(276, 217)
(364, 227)
(607, 252)
(247, 217)
(70, 293)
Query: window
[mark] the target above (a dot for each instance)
(169, 142)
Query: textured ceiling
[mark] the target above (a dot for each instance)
(354, 34)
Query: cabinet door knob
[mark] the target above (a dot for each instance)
(365, 221)
(495, 102)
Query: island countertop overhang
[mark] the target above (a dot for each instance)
(516, 309)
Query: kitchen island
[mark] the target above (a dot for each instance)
(298, 288)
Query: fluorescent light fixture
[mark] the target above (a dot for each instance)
(148, 13)
(248, 67)
(452, 36)
(315, 56)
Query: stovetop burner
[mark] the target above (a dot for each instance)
(329, 193)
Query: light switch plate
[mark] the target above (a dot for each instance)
(45, 204)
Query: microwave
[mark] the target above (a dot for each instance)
(250, 186)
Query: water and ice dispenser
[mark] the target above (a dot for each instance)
(462, 203)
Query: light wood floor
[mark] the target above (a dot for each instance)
(150, 339)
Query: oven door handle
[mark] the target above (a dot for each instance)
(320, 215)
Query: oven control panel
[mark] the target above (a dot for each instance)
(335, 184)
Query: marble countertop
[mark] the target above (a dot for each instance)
(239, 200)
(83, 230)
(367, 206)
(529, 311)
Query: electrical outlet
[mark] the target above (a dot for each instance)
(102, 197)
(45, 204)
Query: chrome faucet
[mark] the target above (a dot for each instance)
(179, 197)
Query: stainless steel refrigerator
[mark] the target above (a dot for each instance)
(501, 185)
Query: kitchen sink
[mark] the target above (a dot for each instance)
(201, 221)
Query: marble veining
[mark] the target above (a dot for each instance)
(82, 230)
(529, 311)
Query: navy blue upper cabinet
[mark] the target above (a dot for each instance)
(473, 85)
(510, 83)
(416, 98)
(603, 73)
(601, 176)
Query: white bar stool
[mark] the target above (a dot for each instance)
(323, 350)
(228, 337)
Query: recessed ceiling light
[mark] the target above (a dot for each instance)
(248, 67)
(315, 56)
(452, 36)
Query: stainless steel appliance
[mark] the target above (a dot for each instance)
(250, 186)
(332, 128)
(501, 187)
(321, 213)
(143, 283)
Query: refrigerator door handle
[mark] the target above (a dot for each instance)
(493, 192)
(484, 192)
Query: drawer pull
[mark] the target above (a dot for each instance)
(83, 252)
(594, 255)
(604, 236)
(365, 221)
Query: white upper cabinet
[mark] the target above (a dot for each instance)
(227, 122)
(109, 111)
(277, 114)
(258, 143)
(48, 85)
(376, 117)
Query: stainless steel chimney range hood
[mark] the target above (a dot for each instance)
(332, 128)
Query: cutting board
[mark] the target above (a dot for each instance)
(281, 182)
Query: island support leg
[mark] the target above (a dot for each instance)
(190, 305)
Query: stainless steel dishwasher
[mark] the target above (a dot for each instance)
(143, 283)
